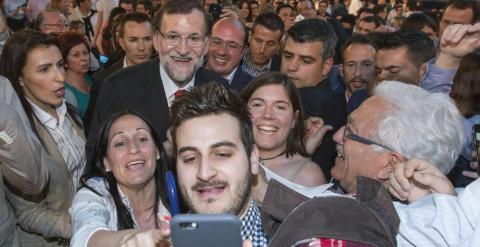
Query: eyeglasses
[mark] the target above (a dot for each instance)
(348, 134)
(217, 43)
(175, 39)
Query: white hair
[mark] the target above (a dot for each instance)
(421, 124)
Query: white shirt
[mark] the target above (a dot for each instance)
(91, 212)
(171, 87)
(70, 145)
(125, 62)
(442, 220)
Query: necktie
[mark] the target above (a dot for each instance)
(179, 93)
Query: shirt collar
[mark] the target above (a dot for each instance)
(252, 227)
(247, 60)
(170, 86)
(231, 75)
(48, 120)
(125, 62)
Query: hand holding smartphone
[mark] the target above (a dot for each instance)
(213, 230)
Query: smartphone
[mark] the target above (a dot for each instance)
(476, 141)
(212, 230)
(215, 10)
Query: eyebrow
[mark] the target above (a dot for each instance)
(216, 145)
(121, 132)
(276, 101)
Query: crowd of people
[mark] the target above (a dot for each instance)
(261, 109)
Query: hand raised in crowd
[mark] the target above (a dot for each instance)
(230, 11)
(474, 166)
(457, 41)
(417, 178)
(315, 130)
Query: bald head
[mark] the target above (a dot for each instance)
(226, 46)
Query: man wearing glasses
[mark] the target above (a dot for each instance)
(150, 88)
(225, 49)
(398, 123)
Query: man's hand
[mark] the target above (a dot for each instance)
(457, 41)
(315, 130)
(417, 178)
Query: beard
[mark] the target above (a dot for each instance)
(234, 205)
(180, 75)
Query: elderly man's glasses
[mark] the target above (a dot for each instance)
(175, 39)
(348, 134)
(218, 43)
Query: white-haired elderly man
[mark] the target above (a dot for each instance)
(399, 122)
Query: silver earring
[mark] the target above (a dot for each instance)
(107, 170)
(158, 156)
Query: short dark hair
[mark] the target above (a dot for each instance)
(295, 139)
(14, 58)
(68, 40)
(213, 99)
(132, 2)
(181, 7)
(419, 46)
(270, 21)
(125, 219)
(147, 5)
(417, 21)
(359, 39)
(365, 9)
(136, 17)
(311, 30)
(466, 4)
(466, 89)
(371, 19)
(283, 6)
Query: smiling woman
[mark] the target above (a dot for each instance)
(125, 190)
(33, 63)
(279, 131)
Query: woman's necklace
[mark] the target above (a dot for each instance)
(276, 156)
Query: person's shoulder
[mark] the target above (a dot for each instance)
(310, 174)
(204, 76)
(135, 75)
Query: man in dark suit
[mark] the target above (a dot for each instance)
(307, 60)
(226, 46)
(149, 88)
(260, 57)
(135, 38)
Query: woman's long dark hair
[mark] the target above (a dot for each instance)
(14, 58)
(295, 139)
(125, 220)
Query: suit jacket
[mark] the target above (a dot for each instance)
(240, 80)
(321, 101)
(139, 88)
(276, 63)
(43, 221)
(98, 78)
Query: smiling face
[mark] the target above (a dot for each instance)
(181, 61)
(225, 46)
(78, 59)
(43, 77)
(355, 158)
(273, 118)
(213, 167)
(131, 153)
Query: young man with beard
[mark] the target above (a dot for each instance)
(216, 156)
(181, 39)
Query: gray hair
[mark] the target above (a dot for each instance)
(421, 124)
